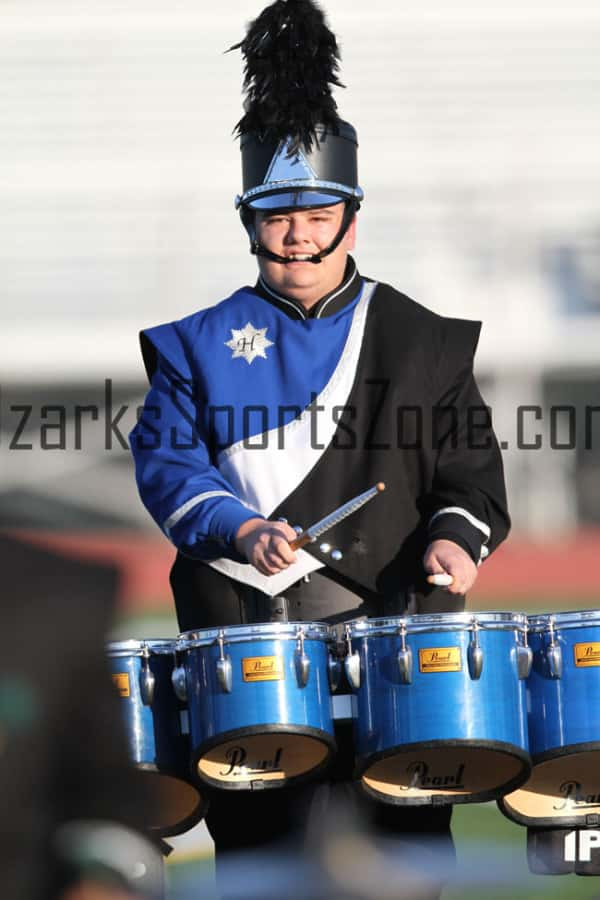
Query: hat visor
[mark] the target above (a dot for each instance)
(295, 200)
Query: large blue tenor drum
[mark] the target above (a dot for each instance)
(157, 732)
(564, 723)
(260, 703)
(440, 706)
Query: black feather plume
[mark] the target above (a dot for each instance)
(291, 63)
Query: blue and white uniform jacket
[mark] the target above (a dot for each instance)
(259, 408)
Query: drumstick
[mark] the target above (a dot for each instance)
(440, 580)
(315, 531)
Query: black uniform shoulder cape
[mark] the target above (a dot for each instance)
(415, 419)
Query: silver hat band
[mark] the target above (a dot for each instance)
(298, 184)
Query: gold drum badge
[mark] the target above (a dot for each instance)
(121, 682)
(587, 654)
(440, 659)
(262, 668)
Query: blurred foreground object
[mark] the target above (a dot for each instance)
(62, 756)
(347, 853)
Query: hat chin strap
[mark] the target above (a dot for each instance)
(258, 249)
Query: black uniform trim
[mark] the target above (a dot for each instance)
(149, 355)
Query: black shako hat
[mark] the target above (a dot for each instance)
(296, 151)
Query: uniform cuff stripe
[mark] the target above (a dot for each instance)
(179, 513)
(459, 511)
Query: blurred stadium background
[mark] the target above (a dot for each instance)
(479, 126)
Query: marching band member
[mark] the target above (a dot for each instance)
(278, 403)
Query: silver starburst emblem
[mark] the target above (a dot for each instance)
(249, 342)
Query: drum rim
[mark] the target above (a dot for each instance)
(187, 822)
(136, 647)
(323, 736)
(363, 764)
(566, 619)
(233, 634)
(438, 622)
(539, 821)
(566, 821)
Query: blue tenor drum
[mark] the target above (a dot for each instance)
(564, 723)
(156, 730)
(440, 706)
(260, 703)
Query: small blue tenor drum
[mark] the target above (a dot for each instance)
(564, 723)
(156, 731)
(260, 703)
(440, 706)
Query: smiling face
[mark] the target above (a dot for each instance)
(299, 233)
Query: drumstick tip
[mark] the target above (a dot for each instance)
(380, 486)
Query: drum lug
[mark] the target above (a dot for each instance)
(554, 657)
(524, 661)
(223, 666)
(302, 661)
(404, 657)
(352, 668)
(179, 683)
(147, 679)
(554, 654)
(405, 665)
(225, 674)
(302, 668)
(475, 659)
(475, 653)
(352, 663)
(335, 672)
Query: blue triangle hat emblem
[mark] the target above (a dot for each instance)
(284, 168)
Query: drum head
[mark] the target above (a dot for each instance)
(445, 772)
(563, 790)
(176, 805)
(274, 756)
